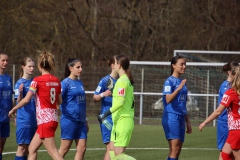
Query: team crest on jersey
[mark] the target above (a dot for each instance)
(121, 91)
(167, 88)
(225, 98)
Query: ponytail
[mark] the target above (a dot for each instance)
(128, 72)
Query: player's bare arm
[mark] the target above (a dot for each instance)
(170, 97)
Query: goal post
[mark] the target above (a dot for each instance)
(203, 80)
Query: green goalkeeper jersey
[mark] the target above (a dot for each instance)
(123, 99)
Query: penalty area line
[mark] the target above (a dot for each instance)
(96, 149)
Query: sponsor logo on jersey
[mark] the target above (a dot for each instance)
(167, 88)
(225, 98)
(9, 83)
(6, 94)
(182, 98)
(98, 89)
(121, 91)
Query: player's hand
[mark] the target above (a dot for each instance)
(189, 128)
(182, 84)
(107, 93)
(100, 118)
(12, 112)
(21, 87)
(87, 126)
(201, 126)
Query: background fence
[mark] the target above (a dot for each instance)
(203, 82)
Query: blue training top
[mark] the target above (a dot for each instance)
(223, 88)
(73, 105)
(6, 91)
(26, 115)
(102, 87)
(178, 104)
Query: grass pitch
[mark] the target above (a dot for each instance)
(148, 143)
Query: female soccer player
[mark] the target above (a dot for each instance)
(73, 119)
(222, 125)
(26, 116)
(122, 109)
(6, 91)
(231, 101)
(175, 111)
(47, 91)
(104, 93)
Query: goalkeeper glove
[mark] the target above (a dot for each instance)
(101, 117)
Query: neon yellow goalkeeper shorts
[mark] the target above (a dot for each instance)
(122, 131)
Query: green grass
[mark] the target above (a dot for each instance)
(147, 143)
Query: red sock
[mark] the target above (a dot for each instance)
(226, 156)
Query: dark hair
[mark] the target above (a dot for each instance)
(174, 61)
(2, 53)
(229, 66)
(124, 62)
(24, 63)
(111, 60)
(46, 61)
(70, 63)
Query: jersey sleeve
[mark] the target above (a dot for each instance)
(120, 96)
(63, 88)
(100, 87)
(167, 87)
(33, 87)
(227, 98)
(16, 90)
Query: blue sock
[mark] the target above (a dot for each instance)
(172, 158)
(20, 158)
(0, 156)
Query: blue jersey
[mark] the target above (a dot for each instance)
(223, 88)
(102, 87)
(6, 91)
(26, 115)
(73, 104)
(178, 104)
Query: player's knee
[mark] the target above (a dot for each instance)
(226, 156)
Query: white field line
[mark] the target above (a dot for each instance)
(95, 149)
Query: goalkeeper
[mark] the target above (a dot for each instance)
(122, 110)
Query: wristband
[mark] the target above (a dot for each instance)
(101, 95)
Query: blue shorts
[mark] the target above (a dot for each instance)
(106, 134)
(174, 126)
(222, 133)
(25, 135)
(72, 130)
(4, 130)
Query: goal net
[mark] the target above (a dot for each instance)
(204, 76)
